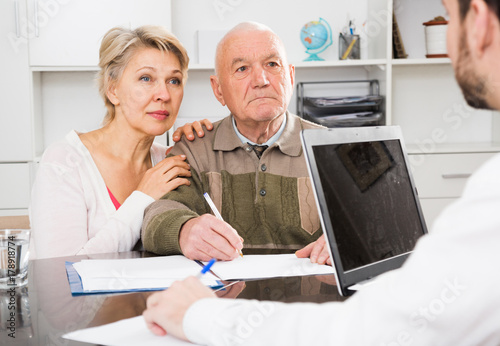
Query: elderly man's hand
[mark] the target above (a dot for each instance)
(317, 251)
(207, 237)
(231, 290)
(165, 310)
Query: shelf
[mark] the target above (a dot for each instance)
(208, 67)
(64, 68)
(201, 67)
(425, 61)
(340, 63)
(311, 64)
(192, 67)
(456, 148)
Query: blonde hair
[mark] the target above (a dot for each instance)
(120, 44)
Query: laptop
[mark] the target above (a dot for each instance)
(366, 198)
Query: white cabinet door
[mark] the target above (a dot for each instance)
(432, 208)
(445, 175)
(69, 33)
(14, 186)
(15, 116)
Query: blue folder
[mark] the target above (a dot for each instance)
(76, 287)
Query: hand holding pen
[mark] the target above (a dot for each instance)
(216, 213)
(206, 237)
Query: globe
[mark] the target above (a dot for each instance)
(316, 36)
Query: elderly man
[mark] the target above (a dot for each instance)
(445, 294)
(251, 164)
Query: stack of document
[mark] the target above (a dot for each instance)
(123, 275)
(334, 101)
(344, 111)
(157, 273)
(128, 332)
(268, 266)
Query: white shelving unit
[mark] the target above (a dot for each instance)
(436, 61)
(59, 93)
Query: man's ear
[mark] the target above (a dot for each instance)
(112, 94)
(484, 22)
(214, 82)
(292, 74)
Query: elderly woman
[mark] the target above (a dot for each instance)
(92, 188)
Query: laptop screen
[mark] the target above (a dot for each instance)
(369, 199)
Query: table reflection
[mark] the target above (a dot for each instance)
(15, 315)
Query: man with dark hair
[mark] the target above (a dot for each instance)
(447, 293)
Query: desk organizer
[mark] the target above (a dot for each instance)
(342, 111)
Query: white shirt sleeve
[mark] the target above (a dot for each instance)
(249, 322)
(402, 308)
(123, 229)
(446, 293)
(68, 214)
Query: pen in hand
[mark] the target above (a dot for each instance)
(206, 268)
(216, 212)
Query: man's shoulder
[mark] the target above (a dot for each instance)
(199, 146)
(305, 124)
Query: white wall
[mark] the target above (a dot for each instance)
(410, 26)
(425, 113)
(286, 18)
(78, 107)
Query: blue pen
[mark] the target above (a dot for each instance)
(206, 268)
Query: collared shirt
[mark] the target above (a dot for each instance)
(270, 141)
(288, 142)
(267, 200)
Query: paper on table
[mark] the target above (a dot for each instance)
(268, 266)
(131, 331)
(136, 273)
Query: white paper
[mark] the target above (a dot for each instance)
(138, 273)
(131, 331)
(268, 266)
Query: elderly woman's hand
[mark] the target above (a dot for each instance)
(187, 130)
(166, 176)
